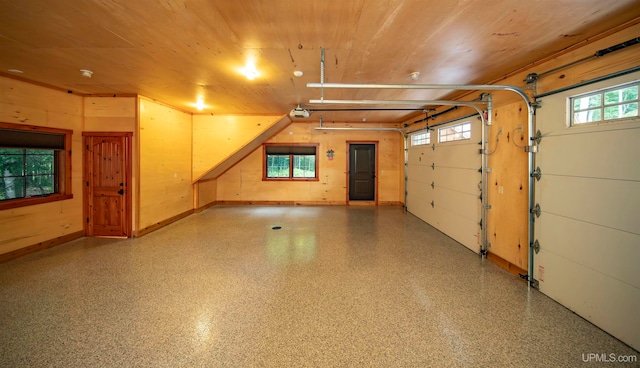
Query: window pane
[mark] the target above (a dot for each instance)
(12, 187)
(621, 95)
(277, 166)
(304, 166)
(587, 102)
(39, 162)
(621, 111)
(588, 116)
(11, 162)
(39, 185)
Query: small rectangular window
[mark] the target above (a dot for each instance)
(35, 165)
(455, 132)
(419, 139)
(616, 103)
(290, 161)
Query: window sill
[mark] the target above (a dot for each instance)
(23, 202)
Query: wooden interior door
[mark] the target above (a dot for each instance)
(107, 176)
(362, 172)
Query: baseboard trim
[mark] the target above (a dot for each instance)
(208, 205)
(503, 263)
(161, 224)
(283, 203)
(40, 246)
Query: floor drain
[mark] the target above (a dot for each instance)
(276, 228)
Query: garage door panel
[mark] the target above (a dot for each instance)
(422, 174)
(608, 251)
(606, 302)
(460, 155)
(459, 180)
(416, 190)
(610, 203)
(584, 154)
(461, 228)
(464, 205)
(422, 209)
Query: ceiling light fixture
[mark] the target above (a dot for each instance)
(250, 71)
(200, 104)
(15, 71)
(86, 73)
(298, 73)
(415, 75)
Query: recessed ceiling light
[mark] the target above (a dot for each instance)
(298, 73)
(16, 71)
(415, 75)
(86, 73)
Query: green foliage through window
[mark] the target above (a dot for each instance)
(26, 173)
(616, 103)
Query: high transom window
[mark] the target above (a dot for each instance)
(290, 161)
(418, 139)
(455, 132)
(617, 103)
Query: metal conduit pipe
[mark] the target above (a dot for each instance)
(473, 87)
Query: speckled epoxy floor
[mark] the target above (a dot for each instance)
(335, 287)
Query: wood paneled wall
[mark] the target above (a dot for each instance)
(24, 103)
(243, 182)
(165, 163)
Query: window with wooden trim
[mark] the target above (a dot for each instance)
(616, 103)
(290, 161)
(35, 165)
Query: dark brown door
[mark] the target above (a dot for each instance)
(362, 172)
(107, 192)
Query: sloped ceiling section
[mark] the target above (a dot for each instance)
(215, 136)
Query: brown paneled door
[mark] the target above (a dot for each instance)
(107, 176)
(362, 171)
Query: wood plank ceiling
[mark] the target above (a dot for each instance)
(177, 51)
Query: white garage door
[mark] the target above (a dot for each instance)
(443, 180)
(589, 196)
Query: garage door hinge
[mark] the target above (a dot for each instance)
(433, 166)
(433, 185)
(432, 204)
(536, 174)
(536, 210)
(536, 246)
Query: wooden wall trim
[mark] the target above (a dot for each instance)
(40, 246)
(162, 224)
